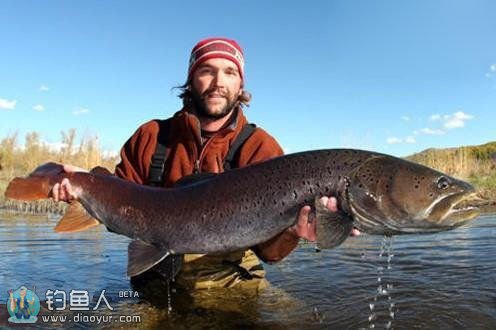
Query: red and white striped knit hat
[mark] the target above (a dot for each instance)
(216, 48)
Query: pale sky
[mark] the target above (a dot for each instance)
(391, 76)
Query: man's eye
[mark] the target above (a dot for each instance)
(204, 71)
(231, 72)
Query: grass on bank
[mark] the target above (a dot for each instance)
(17, 160)
(476, 164)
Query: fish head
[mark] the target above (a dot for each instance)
(388, 195)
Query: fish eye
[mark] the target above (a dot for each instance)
(443, 183)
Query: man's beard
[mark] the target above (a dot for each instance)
(202, 110)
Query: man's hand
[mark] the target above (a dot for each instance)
(305, 226)
(63, 191)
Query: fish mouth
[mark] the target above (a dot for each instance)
(452, 211)
(457, 209)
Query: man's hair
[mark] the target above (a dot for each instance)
(187, 95)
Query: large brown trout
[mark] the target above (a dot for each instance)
(376, 193)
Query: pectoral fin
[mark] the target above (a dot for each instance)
(143, 256)
(100, 170)
(75, 219)
(332, 227)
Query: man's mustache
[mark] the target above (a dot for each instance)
(205, 94)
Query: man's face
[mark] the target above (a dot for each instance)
(216, 86)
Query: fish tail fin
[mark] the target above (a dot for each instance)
(37, 185)
(29, 189)
(75, 219)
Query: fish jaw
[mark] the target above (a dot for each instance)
(455, 210)
(447, 213)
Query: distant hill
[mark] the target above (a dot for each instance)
(477, 164)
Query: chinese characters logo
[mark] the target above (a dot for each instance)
(79, 300)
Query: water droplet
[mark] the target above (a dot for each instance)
(371, 306)
(169, 299)
(388, 325)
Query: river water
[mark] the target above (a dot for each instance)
(445, 280)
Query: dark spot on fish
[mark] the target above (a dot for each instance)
(360, 185)
(295, 194)
(416, 186)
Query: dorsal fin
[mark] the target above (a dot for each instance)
(100, 170)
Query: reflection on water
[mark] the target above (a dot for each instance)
(444, 280)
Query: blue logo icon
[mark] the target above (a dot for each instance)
(23, 305)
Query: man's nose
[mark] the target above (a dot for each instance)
(219, 79)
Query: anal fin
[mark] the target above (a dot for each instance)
(75, 219)
(142, 257)
(333, 228)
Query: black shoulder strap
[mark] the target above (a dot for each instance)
(157, 163)
(159, 157)
(245, 133)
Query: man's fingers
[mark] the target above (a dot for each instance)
(63, 191)
(332, 204)
(303, 216)
(67, 189)
(55, 191)
(355, 232)
(71, 168)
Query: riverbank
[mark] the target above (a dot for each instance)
(475, 164)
